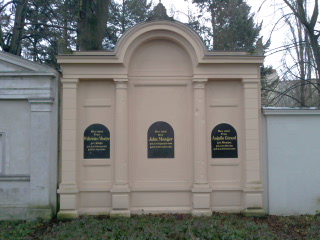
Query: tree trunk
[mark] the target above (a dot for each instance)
(301, 49)
(123, 18)
(18, 28)
(92, 24)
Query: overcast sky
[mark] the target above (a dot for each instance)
(265, 14)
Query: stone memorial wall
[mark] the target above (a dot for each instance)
(183, 127)
(159, 125)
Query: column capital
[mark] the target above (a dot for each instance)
(199, 84)
(199, 79)
(70, 80)
(250, 80)
(121, 84)
(248, 84)
(120, 79)
(69, 83)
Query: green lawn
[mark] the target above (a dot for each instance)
(219, 226)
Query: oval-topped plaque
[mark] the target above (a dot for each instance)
(96, 142)
(160, 140)
(224, 141)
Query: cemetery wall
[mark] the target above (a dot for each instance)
(291, 160)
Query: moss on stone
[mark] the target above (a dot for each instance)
(254, 212)
(67, 215)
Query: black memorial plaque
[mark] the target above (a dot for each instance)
(224, 141)
(96, 141)
(160, 140)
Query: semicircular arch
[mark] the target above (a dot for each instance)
(176, 32)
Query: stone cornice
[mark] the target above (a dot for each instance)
(107, 58)
(290, 111)
(27, 74)
(29, 65)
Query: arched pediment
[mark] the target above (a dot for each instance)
(175, 32)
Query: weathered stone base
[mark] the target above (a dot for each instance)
(65, 215)
(25, 213)
(201, 212)
(254, 212)
(120, 213)
(201, 195)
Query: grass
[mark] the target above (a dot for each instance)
(158, 227)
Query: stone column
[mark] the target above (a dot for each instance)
(120, 191)
(40, 150)
(201, 191)
(68, 188)
(252, 166)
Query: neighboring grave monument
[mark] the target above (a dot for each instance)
(183, 126)
(28, 138)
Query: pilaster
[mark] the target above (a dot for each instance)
(68, 188)
(253, 199)
(120, 190)
(40, 149)
(201, 191)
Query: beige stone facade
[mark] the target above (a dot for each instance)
(160, 71)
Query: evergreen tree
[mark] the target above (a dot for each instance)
(233, 26)
(32, 29)
(39, 29)
(12, 25)
(123, 15)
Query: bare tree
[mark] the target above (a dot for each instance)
(299, 72)
(299, 9)
(297, 61)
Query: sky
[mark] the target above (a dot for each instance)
(268, 14)
(265, 14)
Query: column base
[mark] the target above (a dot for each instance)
(66, 215)
(201, 200)
(120, 200)
(253, 199)
(120, 213)
(254, 212)
(201, 212)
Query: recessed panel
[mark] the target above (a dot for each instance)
(160, 57)
(225, 198)
(161, 199)
(167, 104)
(225, 133)
(95, 199)
(96, 129)
(15, 122)
(97, 173)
